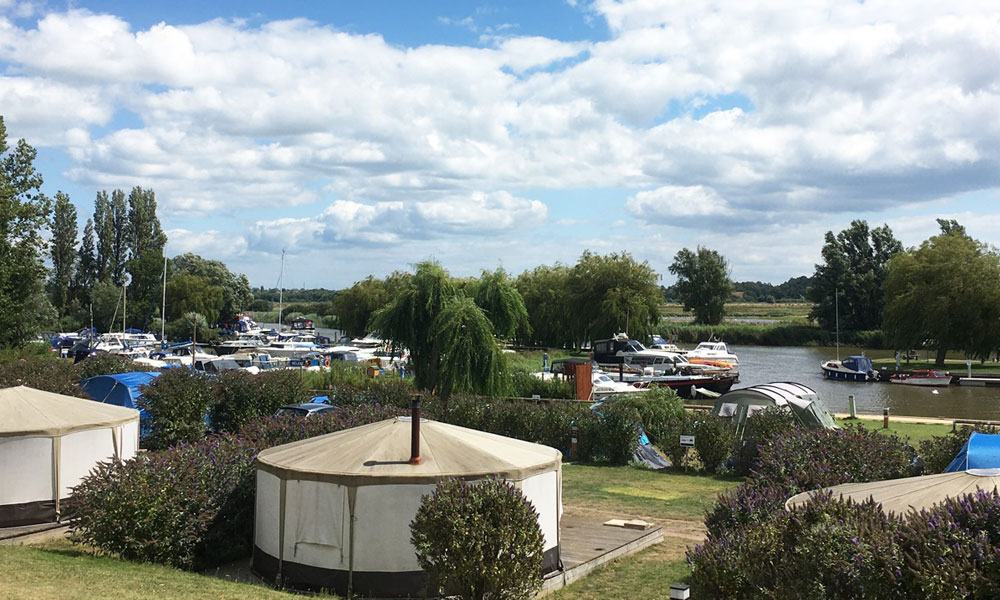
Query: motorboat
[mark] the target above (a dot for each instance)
(924, 377)
(632, 355)
(713, 352)
(603, 385)
(852, 368)
(686, 386)
(658, 343)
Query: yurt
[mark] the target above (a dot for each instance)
(901, 496)
(333, 512)
(48, 442)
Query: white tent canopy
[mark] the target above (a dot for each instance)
(48, 443)
(900, 496)
(334, 512)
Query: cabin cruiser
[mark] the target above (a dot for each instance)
(926, 378)
(852, 368)
(661, 344)
(629, 353)
(713, 351)
(243, 341)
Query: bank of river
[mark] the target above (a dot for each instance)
(760, 364)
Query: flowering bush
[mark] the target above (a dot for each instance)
(479, 540)
(191, 506)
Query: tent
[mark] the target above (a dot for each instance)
(982, 451)
(333, 512)
(911, 493)
(48, 443)
(121, 389)
(737, 405)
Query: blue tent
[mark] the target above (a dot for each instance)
(121, 389)
(982, 451)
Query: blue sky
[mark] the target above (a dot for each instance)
(363, 137)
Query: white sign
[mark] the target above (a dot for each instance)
(687, 440)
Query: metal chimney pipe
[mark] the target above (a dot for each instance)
(415, 431)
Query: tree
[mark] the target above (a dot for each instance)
(545, 291)
(851, 277)
(62, 251)
(104, 225)
(355, 305)
(191, 293)
(85, 274)
(503, 304)
(946, 293)
(236, 292)
(24, 211)
(145, 241)
(119, 240)
(436, 323)
(703, 283)
(612, 293)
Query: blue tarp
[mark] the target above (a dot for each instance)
(121, 389)
(982, 451)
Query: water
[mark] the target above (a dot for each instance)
(760, 364)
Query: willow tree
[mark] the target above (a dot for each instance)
(432, 319)
(503, 304)
(946, 293)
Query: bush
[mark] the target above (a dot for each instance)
(526, 385)
(191, 506)
(619, 433)
(240, 397)
(479, 540)
(48, 374)
(104, 363)
(670, 444)
(714, 442)
(938, 452)
(762, 427)
(178, 402)
(807, 459)
(658, 409)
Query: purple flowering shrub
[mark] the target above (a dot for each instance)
(191, 505)
(479, 540)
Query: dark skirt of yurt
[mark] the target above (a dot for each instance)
(27, 513)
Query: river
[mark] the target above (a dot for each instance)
(764, 364)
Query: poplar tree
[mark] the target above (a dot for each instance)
(85, 274)
(119, 247)
(104, 225)
(62, 251)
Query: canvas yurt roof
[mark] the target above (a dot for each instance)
(982, 451)
(26, 411)
(801, 400)
(378, 453)
(901, 495)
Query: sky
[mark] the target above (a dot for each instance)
(363, 137)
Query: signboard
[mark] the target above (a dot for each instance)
(687, 441)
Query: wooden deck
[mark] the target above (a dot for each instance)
(587, 544)
(32, 534)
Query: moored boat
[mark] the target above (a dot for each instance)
(924, 377)
(852, 368)
(713, 352)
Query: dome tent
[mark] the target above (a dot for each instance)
(803, 402)
(982, 451)
(333, 512)
(48, 442)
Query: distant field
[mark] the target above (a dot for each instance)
(792, 311)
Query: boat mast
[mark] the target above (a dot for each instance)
(163, 309)
(836, 310)
(281, 289)
(124, 308)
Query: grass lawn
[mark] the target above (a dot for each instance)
(915, 432)
(59, 569)
(677, 501)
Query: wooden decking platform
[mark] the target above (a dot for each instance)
(587, 544)
(31, 534)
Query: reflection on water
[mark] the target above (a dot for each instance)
(801, 364)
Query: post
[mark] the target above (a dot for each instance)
(885, 418)
(621, 371)
(415, 431)
(897, 360)
(853, 408)
(968, 367)
(573, 443)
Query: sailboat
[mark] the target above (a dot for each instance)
(852, 368)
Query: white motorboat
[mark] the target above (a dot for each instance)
(926, 378)
(711, 351)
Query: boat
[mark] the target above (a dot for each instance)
(630, 354)
(713, 352)
(852, 368)
(658, 343)
(924, 377)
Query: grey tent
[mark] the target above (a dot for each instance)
(801, 401)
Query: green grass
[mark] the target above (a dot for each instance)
(651, 495)
(58, 569)
(647, 574)
(914, 432)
